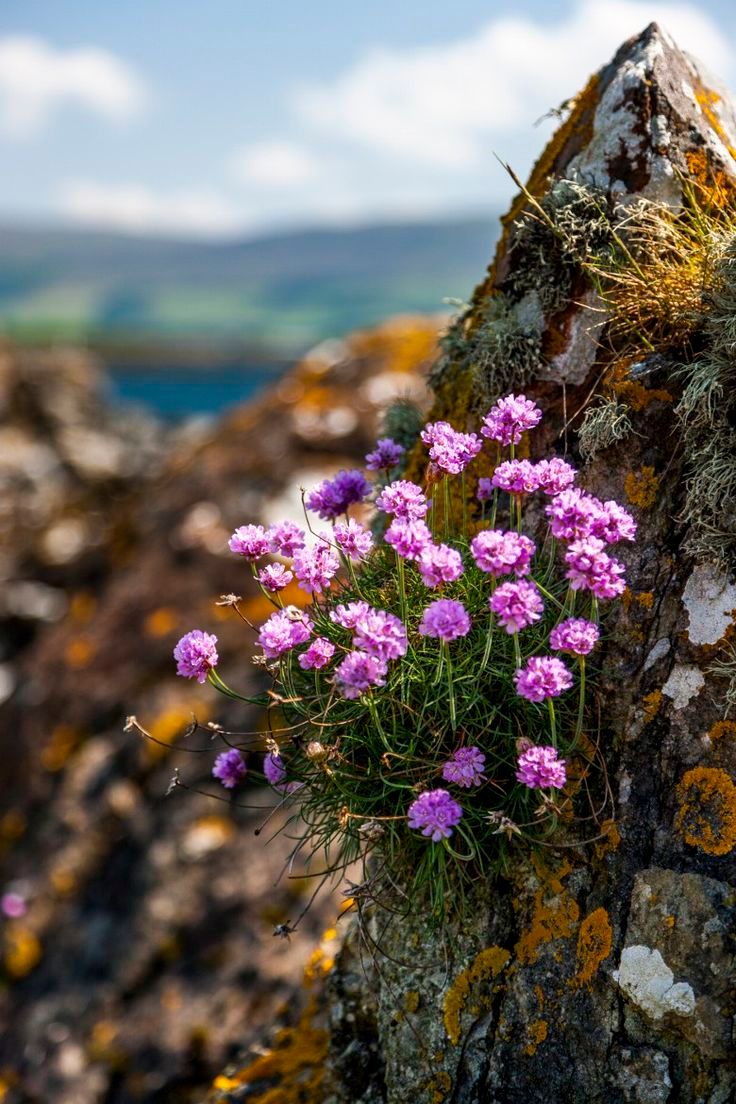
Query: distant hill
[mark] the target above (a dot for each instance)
(283, 291)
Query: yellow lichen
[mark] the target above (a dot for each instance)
(641, 487)
(652, 704)
(411, 1001)
(632, 392)
(595, 940)
(486, 965)
(554, 915)
(537, 1034)
(706, 817)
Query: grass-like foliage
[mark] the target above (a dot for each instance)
(431, 697)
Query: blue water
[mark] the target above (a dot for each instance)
(175, 393)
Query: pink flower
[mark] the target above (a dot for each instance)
(509, 418)
(196, 655)
(275, 772)
(590, 568)
(445, 619)
(516, 477)
(318, 654)
(574, 635)
(450, 450)
(438, 563)
(381, 634)
(484, 490)
(348, 615)
(229, 768)
(404, 499)
(408, 538)
(543, 677)
(572, 513)
(13, 905)
(359, 672)
(282, 632)
(316, 567)
(353, 538)
(500, 553)
(385, 456)
(274, 577)
(333, 496)
(539, 768)
(613, 523)
(517, 605)
(285, 538)
(465, 767)
(435, 813)
(249, 541)
(555, 475)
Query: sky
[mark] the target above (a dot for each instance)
(235, 117)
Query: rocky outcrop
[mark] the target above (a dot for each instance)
(597, 972)
(146, 954)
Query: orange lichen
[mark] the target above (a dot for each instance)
(641, 487)
(160, 622)
(79, 652)
(554, 915)
(61, 743)
(645, 598)
(714, 188)
(22, 950)
(611, 839)
(486, 965)
(537, 1034)
(706, 817)
(411, 1001)
(294, 1065)
(652, 704)
(708, 99)
(595, 940)
(632, 392)
(721, 729)
(82, 606)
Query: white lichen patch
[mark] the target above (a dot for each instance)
(647, 980)
(685, 682)
(659, 651)
(710, 600)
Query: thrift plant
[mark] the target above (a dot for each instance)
(430, 695)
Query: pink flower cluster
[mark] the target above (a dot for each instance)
(196, 655)
(408, 537)
(540, 768)
(283, 630)
(435, 814)
(465, 767)
(509, 418)
(403, 499)
(501, 553)
(543, 677)
(450, 450)
(438, 564)
(575, 635)
(590, 568)
(516, 605)
(385, 456)
(516, 476)
(333, 496)
(315, 568)
(353, 539)
(445, 619)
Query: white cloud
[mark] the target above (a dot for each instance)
(277, 164)
(447, 104)
(35, 78)
(136, 209)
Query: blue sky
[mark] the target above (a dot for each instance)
(230, 116)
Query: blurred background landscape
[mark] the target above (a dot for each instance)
(230, 237)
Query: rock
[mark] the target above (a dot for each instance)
(593, 973)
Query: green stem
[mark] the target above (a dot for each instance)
(465, 511)
(446, 492)
(214, 680)
(451, 686)
(581, 703)
(489, 639)
(494, 508)
(551, 597)
(552, 721)
(518, 513)
(402, 585)
(517, 651)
